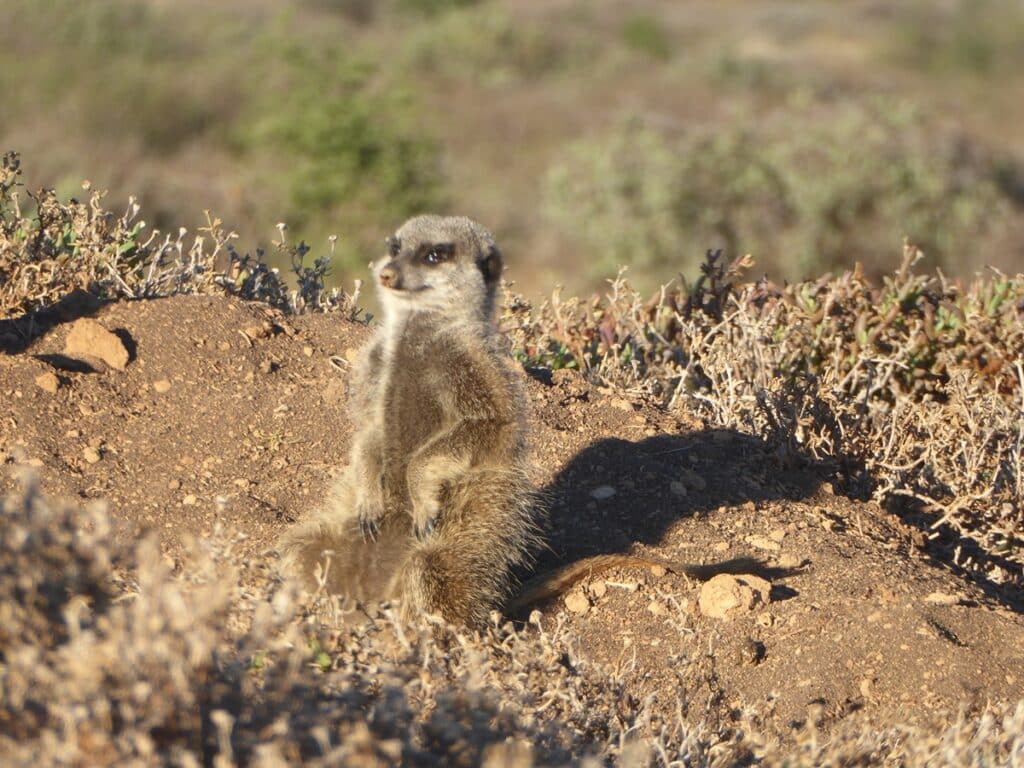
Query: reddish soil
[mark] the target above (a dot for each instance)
(230, 414)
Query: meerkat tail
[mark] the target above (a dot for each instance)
(548, 585)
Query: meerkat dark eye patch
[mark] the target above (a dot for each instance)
(436, 253)
(394, 245)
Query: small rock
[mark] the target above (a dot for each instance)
(161, 385)
(765, 619)
(602, 492)
(266, 366)
(629, 586)
(752, 652)
(189, 500)
(657, 608)
(242, 482)
(577, 601)
(91, 455)
(692, 480)
(35, 462)
(88, 339)
(677, 488)
(763, 542)
(722, 546)
(789, 560)
(223, 346)
(942, 598)
(351, 353)
(48, 382)
(659, 570)
(173, 485)
(778, 534)
(599, 588)
(307, 351)
(725, 594)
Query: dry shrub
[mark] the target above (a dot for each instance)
(50, 248)
(110, 657)
(223, 663)
(911, 391)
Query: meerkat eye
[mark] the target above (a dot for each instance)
(394, 246)
(437, 254)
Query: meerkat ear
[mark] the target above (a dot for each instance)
(490, 264)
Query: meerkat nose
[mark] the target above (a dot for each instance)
(389, 277)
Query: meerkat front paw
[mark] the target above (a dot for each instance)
(369, 512)
(424, 517)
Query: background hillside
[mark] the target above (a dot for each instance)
(587, 133)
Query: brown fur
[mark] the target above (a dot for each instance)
(434, 508)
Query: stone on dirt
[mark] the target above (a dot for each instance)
(48, 382)
(726, 595)
(88, 340)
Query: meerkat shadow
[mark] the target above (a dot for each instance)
(616, 494)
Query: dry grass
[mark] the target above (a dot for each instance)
(107, 657)
(50, 248)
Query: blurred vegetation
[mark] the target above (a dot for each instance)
(586, 133)
(844, 188)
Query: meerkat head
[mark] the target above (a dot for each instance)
(440, 263)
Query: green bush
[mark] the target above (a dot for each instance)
(646, 34)
(976, 37)
(847, 187)
(434, 7)
(486, 44)
(348, 149)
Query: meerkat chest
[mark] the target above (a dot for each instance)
(413, 398)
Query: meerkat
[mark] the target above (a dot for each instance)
(435, 507)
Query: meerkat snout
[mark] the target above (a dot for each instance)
(389, 277)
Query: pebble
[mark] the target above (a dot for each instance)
(677, 488)
(91, 455)
(602, 492)
(48, 382)
(725, 595)
(692, 480)
(189, 500)
(577, 601)
(942, 598)
(161, 385)
(789, 560)
(88, 339)
(763, 542)
(657, 608)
